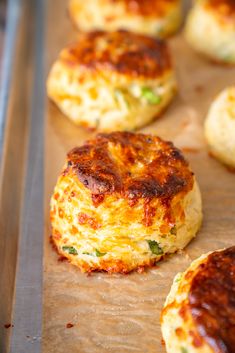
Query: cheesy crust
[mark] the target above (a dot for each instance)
(216, 18)
(223, 9)
(199, 313)
(112, 81)
(158, 18)
(124, 201)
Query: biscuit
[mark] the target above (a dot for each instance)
(124, 201)
(199, 313)
(113, 81)
(220, 127)
(210, 29)
(158, 18)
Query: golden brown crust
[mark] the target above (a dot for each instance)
(133, 166)
(156, 8)
(121, 52)
(212, 300)
(224, 8)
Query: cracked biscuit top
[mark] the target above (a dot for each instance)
(122, 52)
(131, 166)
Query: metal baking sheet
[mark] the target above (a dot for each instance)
(21, 179)
(107, 313)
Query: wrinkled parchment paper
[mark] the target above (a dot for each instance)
(120, 313)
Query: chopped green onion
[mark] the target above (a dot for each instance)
(155, 247)
(178, 278)
(99, 254)
(150, 96)
(228, 58)
(183, 350)
(70, 249)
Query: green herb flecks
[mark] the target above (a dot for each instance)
(155, 247)
(228, 58)
(183, 350)
(96, 253)
(151, 97)
(99, 254)
(173, 230)
(178, 277)
(70, 250)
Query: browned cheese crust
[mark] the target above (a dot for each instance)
(212, 300)
(121, 52)
(223, 8)
(164, 171)
(151, 8)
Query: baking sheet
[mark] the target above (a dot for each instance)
(21, 169)
(120, 313)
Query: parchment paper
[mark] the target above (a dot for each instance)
(120, 313)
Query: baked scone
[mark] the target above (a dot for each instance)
(159, 18)
(123, 201)
(220, 127)
(210, 29)
(199, 313)
(112, 81)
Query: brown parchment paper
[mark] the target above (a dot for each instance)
(120, 313)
